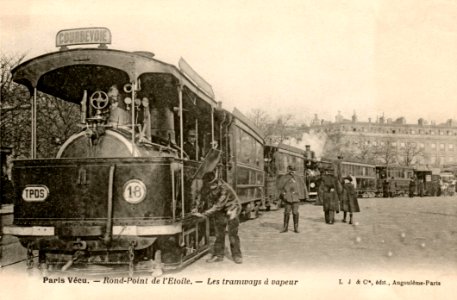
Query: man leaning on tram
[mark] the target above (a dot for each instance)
(225, 207)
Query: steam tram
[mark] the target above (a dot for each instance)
(277, 158)
(121, 191)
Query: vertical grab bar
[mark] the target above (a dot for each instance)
(109, 214)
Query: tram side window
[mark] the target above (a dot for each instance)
(259, 178)
(243, 176)
(245, 145)
(259, 155)
(280, 164)
(300, 165)
(249, 151)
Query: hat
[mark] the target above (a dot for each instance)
(192, 132)
(290, 168)
(348, 178)
(210, 177)
(328, 169)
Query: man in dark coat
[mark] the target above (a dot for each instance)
(392, 188)
(412, 187)
(225, 208)
(349, 203)
(328, 191)
(190, 145)
(289, 192)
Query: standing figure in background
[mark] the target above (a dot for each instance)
(385, 188)
(392, 188)
(328, 191)
(412, 187)
(349, 203)
(289, 187)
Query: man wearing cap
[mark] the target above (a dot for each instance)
(224, 207)
(190, 145)
(288, 188)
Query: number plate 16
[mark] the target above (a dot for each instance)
(134, 191)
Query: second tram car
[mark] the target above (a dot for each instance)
(244, 164)
(393, 180)
(365, 175)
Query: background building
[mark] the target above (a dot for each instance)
(389, 141)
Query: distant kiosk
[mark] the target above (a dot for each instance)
(83, 36)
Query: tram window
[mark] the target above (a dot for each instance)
(245, 145)
(253, 152)
(281, 161)
(259, 155)
(247, 149)
(259, 178)
(238, 142)
(243, 176)
(243, 194)
(301, 165)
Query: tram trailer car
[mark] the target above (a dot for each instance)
(365, 176)
(277, 158)
(121, 191)
(399, 175)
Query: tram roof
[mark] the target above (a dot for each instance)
(288, 148)
(248, 125)
(133, 64)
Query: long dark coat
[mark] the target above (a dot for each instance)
(349, 202)
(289, 188)
(328, 192)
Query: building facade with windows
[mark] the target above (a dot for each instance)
(431, 144)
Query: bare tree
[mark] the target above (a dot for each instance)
(410, 153)
(274, 130)
(56, 119)
(260, 118)
(282, 129)
(386, 152)
(14, 108)
(334, 145)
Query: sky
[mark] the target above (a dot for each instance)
(300, 57)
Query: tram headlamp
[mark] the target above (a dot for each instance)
(312, 184)
(128, 87)
(134, 191)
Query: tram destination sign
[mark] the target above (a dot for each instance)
(83, 36)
